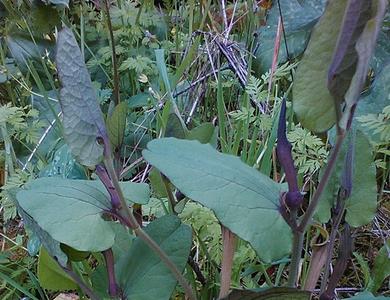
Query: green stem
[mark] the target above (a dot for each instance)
(114, 59)
(131, 221)
(295, 258)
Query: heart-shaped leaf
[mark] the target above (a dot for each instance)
(82, 118)
(141, 273)
(243, 199)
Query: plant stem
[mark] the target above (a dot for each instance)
(295, 258)
(299, 232)
(86, 289)
(112, 285)
(321, 186)
(127, 216)
(229, 240)
(114, 60)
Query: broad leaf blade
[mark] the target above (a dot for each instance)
(70, 211)
(82, 118)
(141, 273)
(312, 101)
(244, 200)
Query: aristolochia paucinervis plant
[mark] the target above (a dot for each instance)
(95, 216)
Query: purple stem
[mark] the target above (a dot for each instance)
(105, 178)
(112, 285)
(283, 149)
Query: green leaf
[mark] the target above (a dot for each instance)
(174, 127)
(70, 211)
(361, 205)
(82, 118)
(367, 296)
(23, 49)
(60, 2)
(50, 244)
(63, 165)
(381, 269)
(279, 293)
(345, 56)
(312, 101)
(364, 47)
(116, 124)
(204, 133)
(299, 17)
(133, 192)
(51, 276)
(141, 274)
(157, 183)
(244, 200)
(374, 101)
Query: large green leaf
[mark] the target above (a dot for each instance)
(140, 272)
(51, 276)
(82, 118)
(299, 17)
(361, 205)
(70, 211)
(243, 199)
(312, 101)
(269, 294)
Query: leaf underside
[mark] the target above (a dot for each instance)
(82, 118)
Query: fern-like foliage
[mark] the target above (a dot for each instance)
(309, 151)
(379, 123)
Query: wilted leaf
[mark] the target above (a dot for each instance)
(243, 199)
(51, 276)
(141, 273)
(312, 101)
(82, 118)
